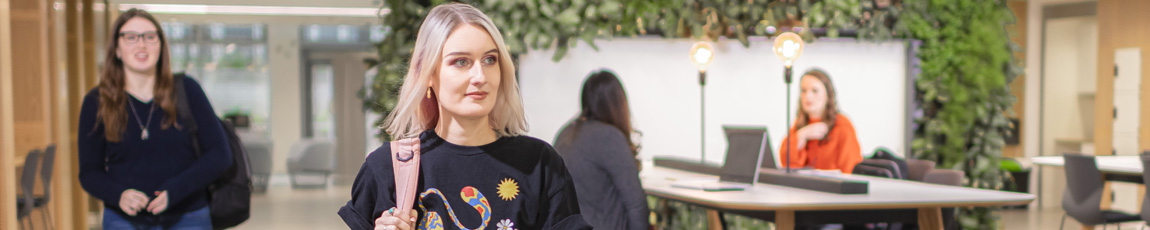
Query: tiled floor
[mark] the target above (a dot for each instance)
(1048, 218)
(284, 208)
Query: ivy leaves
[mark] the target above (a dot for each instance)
(559, 24)
(966, 64)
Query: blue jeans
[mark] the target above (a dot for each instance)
(200, 219)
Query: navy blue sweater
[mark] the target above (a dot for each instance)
(165, 161)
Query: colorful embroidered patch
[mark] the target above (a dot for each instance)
(508, 189)
(471, 195)
(431, 221)
(506, 224)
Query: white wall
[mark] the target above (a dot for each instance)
(286, 120)
(744, 86)
(1052, 179)
(1033, 70)
(1070, 60)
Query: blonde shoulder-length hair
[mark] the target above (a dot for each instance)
(414, 112)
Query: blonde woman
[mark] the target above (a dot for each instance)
(478, 170)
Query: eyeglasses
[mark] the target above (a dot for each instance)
(132, 37)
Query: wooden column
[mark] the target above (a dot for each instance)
(90, 76)
(89, 34)
(77, 85)
(7, 140)
(64, 175)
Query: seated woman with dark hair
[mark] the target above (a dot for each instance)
(601, 157)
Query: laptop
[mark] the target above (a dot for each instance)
(745, 147)
(768, 153)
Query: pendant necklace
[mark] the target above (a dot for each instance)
(144, 134)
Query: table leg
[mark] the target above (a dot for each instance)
(1141, 197)
(714, 220)
(930, 218)
(1087, 227)
(785, 220)
(1107, 193)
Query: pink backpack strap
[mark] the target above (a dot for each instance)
(405, 163)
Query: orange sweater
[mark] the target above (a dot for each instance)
(838, 150)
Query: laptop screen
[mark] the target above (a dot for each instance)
(745, 146)
(768, 153)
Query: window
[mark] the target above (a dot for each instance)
(230, 61)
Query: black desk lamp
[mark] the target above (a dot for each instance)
(701, 54)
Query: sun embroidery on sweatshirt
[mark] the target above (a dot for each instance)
(508, 189)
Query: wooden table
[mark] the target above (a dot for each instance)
(1113, 165)
(901, 200)
(1113, 168)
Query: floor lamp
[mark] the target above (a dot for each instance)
(788, 47)
(701, 54)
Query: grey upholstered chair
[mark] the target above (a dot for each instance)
(1083, 197)
(26, 201)
(314, 157)
(917, 169)
(944, 177)
(259, 150)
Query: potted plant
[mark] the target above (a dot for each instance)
(240, 118)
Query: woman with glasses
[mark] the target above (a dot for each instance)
(598, 150)
(134, 153)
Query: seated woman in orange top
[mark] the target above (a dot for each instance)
(821, 137)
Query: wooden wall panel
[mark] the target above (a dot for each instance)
(30, 92)
(30, 75)
(25, 62)
(1121, 24)
(1017, 34)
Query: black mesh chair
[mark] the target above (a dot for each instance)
(25, 202)
(1145, 179)
(1083, 197)
(41, 202)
